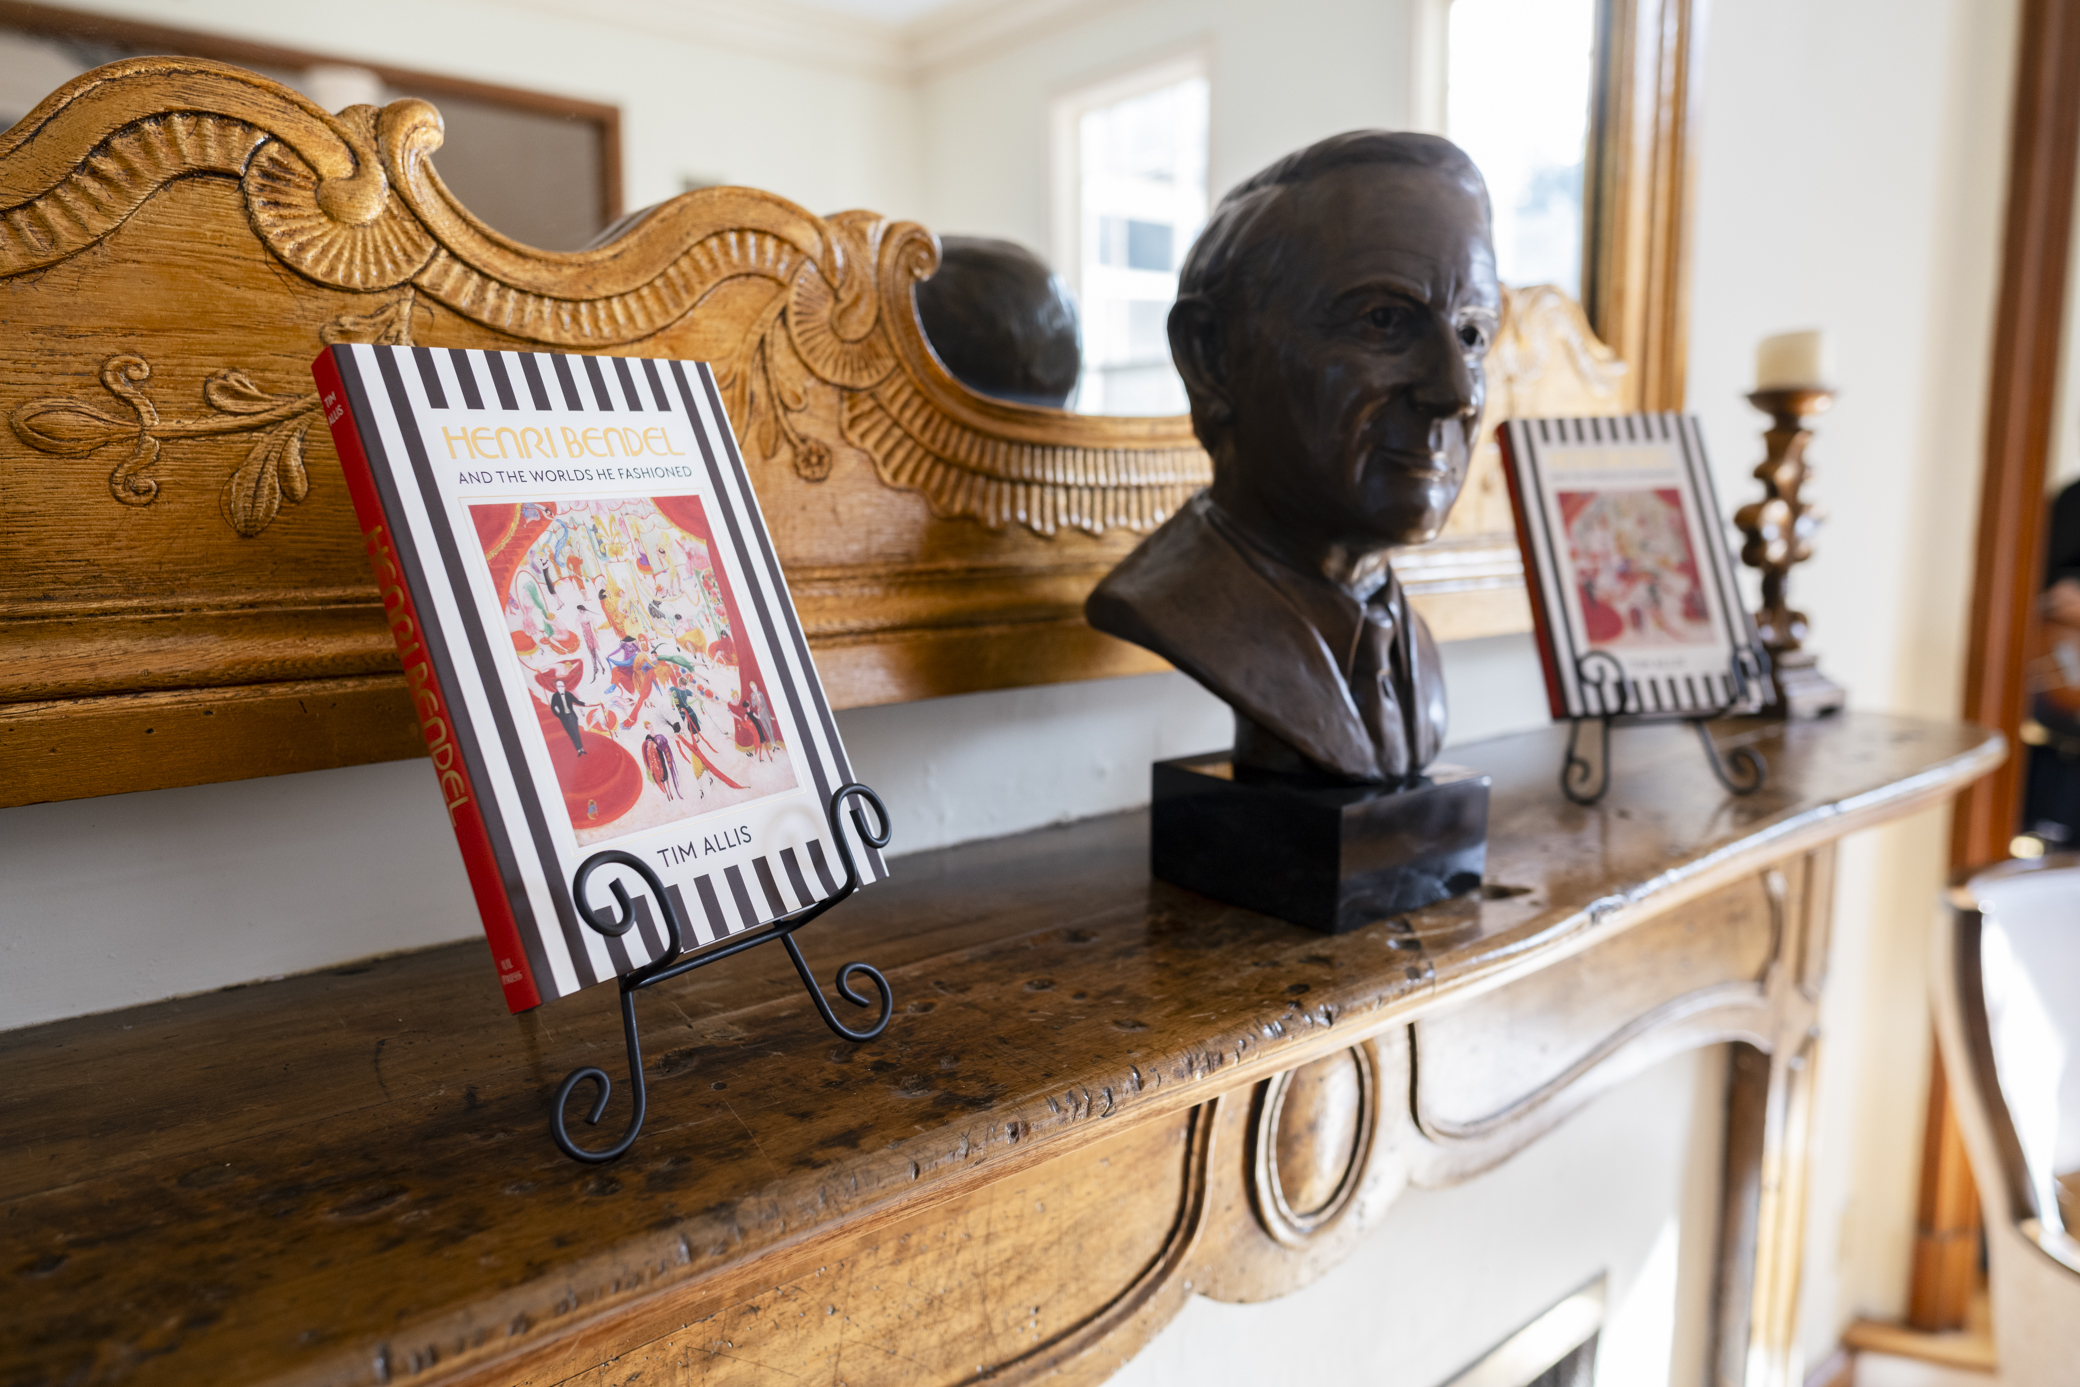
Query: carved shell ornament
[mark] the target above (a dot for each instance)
(352, 202)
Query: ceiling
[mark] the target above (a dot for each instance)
(886, 11)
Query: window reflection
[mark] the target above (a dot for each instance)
(1517, 100)
(1141, 192)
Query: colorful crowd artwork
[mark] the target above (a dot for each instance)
(1634, 570)
(650, 702)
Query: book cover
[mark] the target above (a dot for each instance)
(1632, 585)
(598, 640)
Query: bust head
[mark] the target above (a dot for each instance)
(1330, 327)
(1002, 322)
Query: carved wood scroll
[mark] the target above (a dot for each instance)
(188, 601)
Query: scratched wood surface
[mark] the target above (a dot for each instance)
(345, 1177)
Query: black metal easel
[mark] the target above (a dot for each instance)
(1599, 670)
(670, 965)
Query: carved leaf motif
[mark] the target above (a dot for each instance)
(235, 393)
(785, 373)
(296, 481)
(274, 465)
(387, 326)
(252, 495)
(68, 428)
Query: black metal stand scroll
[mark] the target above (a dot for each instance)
(1743, 771)
(671, 966)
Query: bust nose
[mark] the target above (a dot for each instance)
(1447, 389)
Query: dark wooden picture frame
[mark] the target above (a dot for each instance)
(1638, 188)
(51, 21)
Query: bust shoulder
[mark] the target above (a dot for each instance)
(1192, 597)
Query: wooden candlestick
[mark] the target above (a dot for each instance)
(1779, 530)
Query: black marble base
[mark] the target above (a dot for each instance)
(1330, 857)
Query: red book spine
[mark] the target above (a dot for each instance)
(464, 806)
(1520, 510)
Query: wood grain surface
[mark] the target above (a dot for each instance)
(345, 1177)
(178, 237)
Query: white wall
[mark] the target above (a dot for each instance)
(125, 899)
(1851, 173)
(697, 100)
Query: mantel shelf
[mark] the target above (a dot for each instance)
(346, 1177)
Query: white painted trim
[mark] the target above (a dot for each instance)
(974, 28)
(1429, 63)
(780, 29)
(1065, 210)
(1137, 78)
(804, 33)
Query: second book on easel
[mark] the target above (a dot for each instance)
(598, 642)
(1632, 586)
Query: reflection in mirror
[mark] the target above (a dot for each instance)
(1517, 100)
(1134, 152)
(1001, 321)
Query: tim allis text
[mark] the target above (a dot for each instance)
(715, 842)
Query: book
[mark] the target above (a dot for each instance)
(598, 642)
(1633, 594)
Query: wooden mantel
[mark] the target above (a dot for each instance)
(346, 1178)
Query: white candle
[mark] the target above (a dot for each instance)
(1794, 361)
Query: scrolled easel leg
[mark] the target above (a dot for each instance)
(605, 1088)
(1581, 780)
(618, 921)
(876, 836)
(1598, 674)
(845, 990)
(1742, 771)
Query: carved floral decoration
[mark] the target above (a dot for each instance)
(273, 470)
(812, 332)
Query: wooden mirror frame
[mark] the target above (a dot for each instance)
(1638, 188)
(178, 237)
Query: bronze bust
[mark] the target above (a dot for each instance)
(1001, 321)
(1330, 326)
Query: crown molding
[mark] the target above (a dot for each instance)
(972, 29)
(781, 29)
(830, 39)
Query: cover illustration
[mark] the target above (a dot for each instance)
(598, 640)
(1626, 558)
